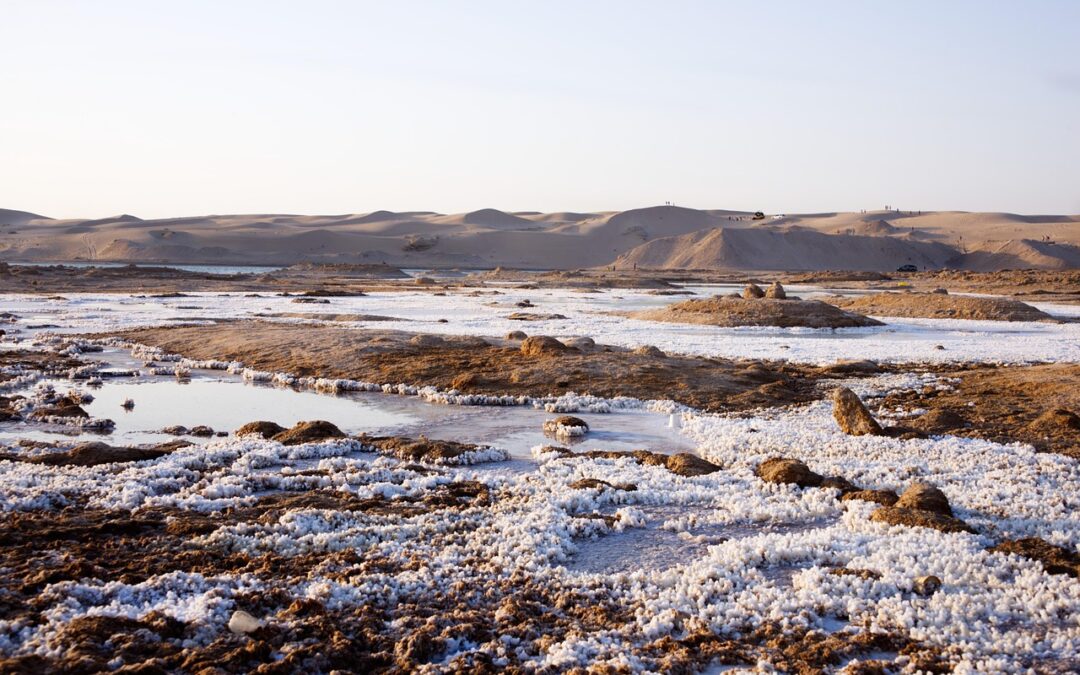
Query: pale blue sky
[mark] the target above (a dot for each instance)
(170, 108)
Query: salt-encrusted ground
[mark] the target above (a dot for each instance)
(484, 313)
(468, 567)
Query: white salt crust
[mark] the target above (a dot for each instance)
(993, 613)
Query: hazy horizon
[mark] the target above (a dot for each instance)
(332, 107)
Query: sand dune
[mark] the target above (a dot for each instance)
(785, 249)
(658, 236)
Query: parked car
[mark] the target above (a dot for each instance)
(907, 268)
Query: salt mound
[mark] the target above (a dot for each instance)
(938, 306)
(729, 311)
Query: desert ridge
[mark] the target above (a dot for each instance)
(660, 237)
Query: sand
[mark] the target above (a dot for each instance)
(659, 236)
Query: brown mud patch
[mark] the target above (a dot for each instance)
(476, 366)
(97, 453)
(1054, 559)
(417, 449)
(731, 311)
(1030, 404)
(942, 306)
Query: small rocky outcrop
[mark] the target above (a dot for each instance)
(921, 505)
(650, 350)
(516, 335)
(308, 432)
(752, 291)
(927, 585)
(566, 426)
(597, 484)
(776, 291)
(261, 428)
(686, 464)
(883, 497)
(925, 497)
(865, 574)
(583, 343)
(789, 471)
(852, 415)
(532, 316)
(542, 345)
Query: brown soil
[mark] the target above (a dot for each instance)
(417, 449)
(95, 454)
(942, 306)
(474, 366)
(1030, 404)
(46, 363)
(736, 311)
(1055, 559)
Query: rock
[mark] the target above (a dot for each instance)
(175, 430)
(927, 585)
(424, 281)
(852, 415)
(752, 291)
(845, 366)
(308, 432)
(840, 483)
(853, 572)
(583, 343)
(426, 340)
(566, 426)
(883, 497)
(597, 484)
(128, 404)
(542, 345)
(525, 303)
(789, 471)
(261, 428)
(940, 291)
(530, 316)
(202, 431)
(894, 515)
(776, 291)
(649, 350)
(243, 623)
(516, 335)
(925, 497)
(685, 464)
(1054, 559)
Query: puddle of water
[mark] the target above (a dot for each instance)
(518, 429)
(223, 405)
(225, 402)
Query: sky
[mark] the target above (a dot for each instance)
(191, 108)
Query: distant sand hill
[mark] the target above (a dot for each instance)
(655, 237)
